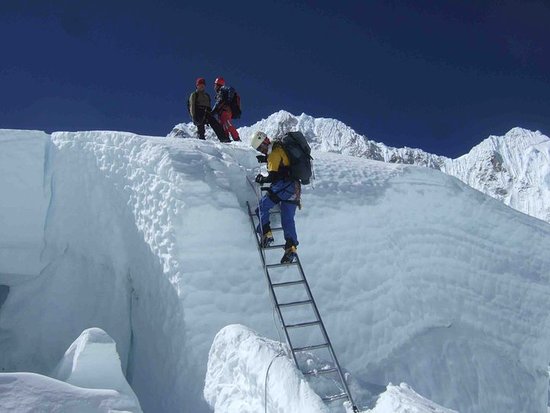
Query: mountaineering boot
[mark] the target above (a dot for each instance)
(267, 239)
(290, 254)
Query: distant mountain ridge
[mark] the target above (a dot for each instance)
(331, 135)
(514, 168)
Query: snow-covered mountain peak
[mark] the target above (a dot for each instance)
(514, 168)
(526, 134)
(516, 140)
(332, 135)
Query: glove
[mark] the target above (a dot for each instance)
(260, 179)
(261, 158)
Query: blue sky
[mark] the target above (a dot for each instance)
(439, 75)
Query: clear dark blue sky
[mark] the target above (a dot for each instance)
(439, 75)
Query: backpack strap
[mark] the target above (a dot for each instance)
(192, 104)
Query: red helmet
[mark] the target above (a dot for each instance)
(200, 81)
(219, 81)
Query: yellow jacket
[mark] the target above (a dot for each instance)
(277, 159)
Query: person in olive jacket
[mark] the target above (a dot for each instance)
(199, 106)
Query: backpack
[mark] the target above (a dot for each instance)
(234, 103)
(298, 151)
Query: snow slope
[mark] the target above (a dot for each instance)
(327, 135)
(419, 278)
(514, 168)
(89, 380)
(249, 374)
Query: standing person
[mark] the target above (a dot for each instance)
(222, 108)
(199, 104)
(283, 190)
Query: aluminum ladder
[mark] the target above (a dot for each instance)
(317, 321)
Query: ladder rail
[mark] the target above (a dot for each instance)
(311, 299)
(270, 285)
(325, 334)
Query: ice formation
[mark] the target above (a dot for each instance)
(419, 278)
(88, 379)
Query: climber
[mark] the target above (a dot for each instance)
(198, 106)
(283, 190)
(223, 108)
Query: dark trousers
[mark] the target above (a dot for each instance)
(203, 117)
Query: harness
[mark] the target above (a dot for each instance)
(274, 196)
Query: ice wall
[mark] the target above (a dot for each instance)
(88, 379)
(23, 200)
(419, 278)
(438, 282)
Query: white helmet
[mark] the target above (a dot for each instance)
(257, 139)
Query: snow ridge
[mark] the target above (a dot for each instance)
(514, 168)
(328, 135)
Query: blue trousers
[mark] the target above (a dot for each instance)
(282, 191)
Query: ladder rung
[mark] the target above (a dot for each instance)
(315, 372)
(335, 397)
(307, 348)
(274, 247)
(292, 304)
(277, 229)
(309, 323)
(287, 283)
(286, 264)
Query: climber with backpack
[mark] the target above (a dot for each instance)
(199, 109)
(227, 107)
(289, 166)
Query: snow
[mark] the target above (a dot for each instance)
(419, 278)
(238, 366)
(327, 135)
(402, 399)
(23, 202)
(513, 168)
(93, 362)
(89, 380)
